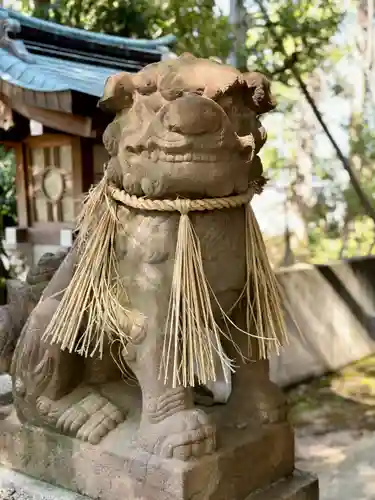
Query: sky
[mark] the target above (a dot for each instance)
(223, 5)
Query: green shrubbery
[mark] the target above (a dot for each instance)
(8, 207)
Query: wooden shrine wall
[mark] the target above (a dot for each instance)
(53, 173)
(50, 172)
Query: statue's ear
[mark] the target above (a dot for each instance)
(260, 99)
(118, 93)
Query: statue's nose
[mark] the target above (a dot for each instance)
(193, 115)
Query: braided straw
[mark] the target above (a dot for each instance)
(181, 205)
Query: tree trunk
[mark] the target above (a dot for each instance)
(365, 201)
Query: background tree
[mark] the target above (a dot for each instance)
(199, 27)
(318, 41)
(7, 211)
(8, 204)
(337, 225)
(305, 28)
(202, 29)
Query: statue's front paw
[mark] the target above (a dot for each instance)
(89, 419)
(184, 435)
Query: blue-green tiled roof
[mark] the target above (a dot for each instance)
(83, 35)
(63, 59)
(49, 74)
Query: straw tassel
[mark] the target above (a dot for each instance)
(263, 293)
(94, 297)
(191, 333)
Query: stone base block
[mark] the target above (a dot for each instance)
(247, 460)
(300, 486)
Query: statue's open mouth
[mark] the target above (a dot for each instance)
(196, 157)
(171, 147)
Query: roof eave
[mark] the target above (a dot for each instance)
(161, 44)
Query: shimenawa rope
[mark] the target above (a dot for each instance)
(97, 298)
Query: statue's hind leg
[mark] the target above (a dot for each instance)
(265, 402)
(49, 385)
(170, 425)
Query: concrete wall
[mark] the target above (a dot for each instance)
(334, 307)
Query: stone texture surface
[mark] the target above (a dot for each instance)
(246, 461)
(16, 486)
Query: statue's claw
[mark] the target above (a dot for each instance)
(183, 435)
(89, 419)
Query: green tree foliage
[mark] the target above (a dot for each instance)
(197, 28)
(305, 27)
(306, 30)
(8, 207)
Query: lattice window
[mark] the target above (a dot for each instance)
(51, 183)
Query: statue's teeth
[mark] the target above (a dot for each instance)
(156, 155)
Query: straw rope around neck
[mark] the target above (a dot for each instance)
(192, 334)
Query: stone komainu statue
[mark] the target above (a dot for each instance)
(168, 279)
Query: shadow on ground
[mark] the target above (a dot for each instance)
(341, 401)
(334, 418)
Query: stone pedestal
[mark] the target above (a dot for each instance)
(250, 464)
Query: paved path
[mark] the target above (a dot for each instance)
(344, 462)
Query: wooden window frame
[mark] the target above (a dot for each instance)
(48, 233)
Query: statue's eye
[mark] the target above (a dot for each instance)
(126, 100)
(147, 87)
(198, 91)
(172, 93)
